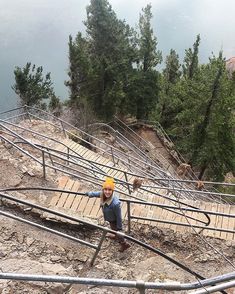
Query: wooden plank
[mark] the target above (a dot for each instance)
(102, 160)
(78, 148)
(95, 208)
(86, 153)
(210, 207)
(82, 204)
(164, 213)
(231, 224)
(142, 213)
(62, 181)
(181, 216)
(188, 215)
(137, 211)
(89, 206)
(149, 208)
(76, 202)
(107, 170)
(71, 197)
(72, 145)
(118, 175)
(202, 217)
(174, 216)
(219, 221)
(124, 210)
(91, 156)
(156, 212)
(225, 224)
(213, 218)
(63, 196)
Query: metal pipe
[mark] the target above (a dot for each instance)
(196, 181)
(173, 286)
(47, 229)
(11, 110)
(193, 191)
(22, 150)
(127, 200)
(43, 164)
(98, 247)
(213, 289)
(129, 216)
(183, 224)
(128, 186)
(157, 251)
(39, 134)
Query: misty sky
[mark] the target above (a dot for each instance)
(37, 31)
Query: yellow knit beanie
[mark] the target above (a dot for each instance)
(108, 183)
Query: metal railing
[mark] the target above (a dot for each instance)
(91, 178)
(103, 229)
(225, 282)
(166, 180)
(116, 155)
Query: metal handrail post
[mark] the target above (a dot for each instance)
(140, 285)
(112, 156)
(68, 155)
(52, 161)
(98, 248)
(129, 216)
(128, 185)
(61, 122)
(43, 164)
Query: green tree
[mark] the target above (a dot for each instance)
(55, 106)
(31, 86)
(169, 102)
(190, 65)
(213, 136)
(184, 100)
(111, 55)
(79, 70)
(147, 78)
(204, 125)
(172, 71)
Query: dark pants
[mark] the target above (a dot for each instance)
(113, 226)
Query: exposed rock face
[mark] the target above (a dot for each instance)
(230, 65)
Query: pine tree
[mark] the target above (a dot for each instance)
(147, 77)
(190, 65)
(79, 70)
(213, 137)
(169, 102)
(31, 86)
(111, 56)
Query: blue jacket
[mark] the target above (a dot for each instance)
(112, 211)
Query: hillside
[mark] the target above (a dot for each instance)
(25, 249)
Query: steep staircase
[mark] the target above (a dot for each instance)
(90, 208)
(163, 207)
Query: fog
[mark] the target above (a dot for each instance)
(37, 31)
